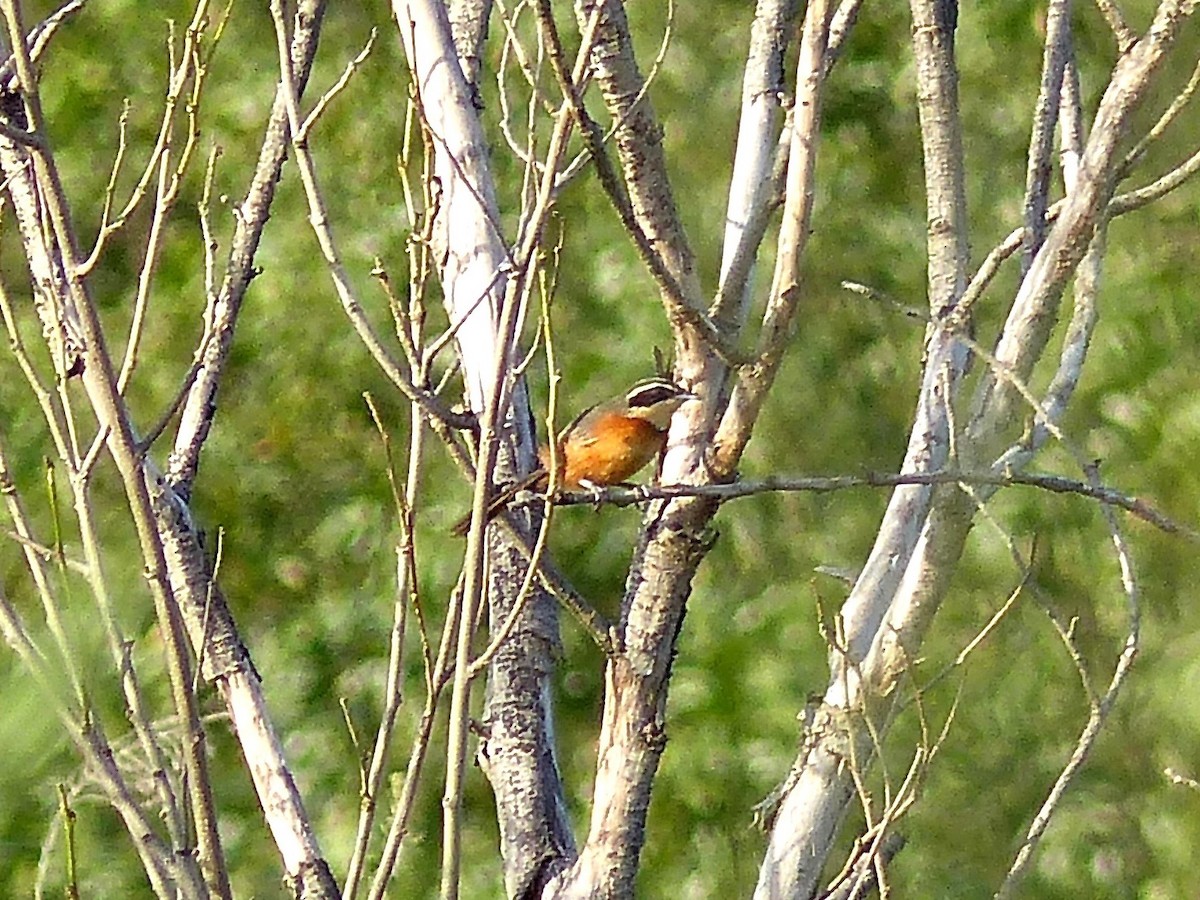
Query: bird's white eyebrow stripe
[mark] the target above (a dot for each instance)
(651, 392)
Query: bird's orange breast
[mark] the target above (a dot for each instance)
(609, 450)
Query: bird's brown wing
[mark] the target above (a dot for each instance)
(574, 423)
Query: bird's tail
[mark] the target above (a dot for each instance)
(535, 480)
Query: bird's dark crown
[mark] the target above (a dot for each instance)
(653, 391)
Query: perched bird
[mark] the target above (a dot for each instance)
(605, 444)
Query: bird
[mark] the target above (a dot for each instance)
(605, 444)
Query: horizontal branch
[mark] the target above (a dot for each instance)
(1057, 484)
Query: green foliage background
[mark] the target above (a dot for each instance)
(294, 475)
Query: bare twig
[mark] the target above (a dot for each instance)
(436, 683)
(99, 380)
(644, 205)
(170, 174)
(1181, 100)
(338, 86)
(1125, 35)
(251, 217)
(406, 590)
(1100, 707)
(189, 67)
(40, 36)
(525, 592)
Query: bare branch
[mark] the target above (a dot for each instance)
(997, 477)
(754, 381)
(751, 187)
(251, 217)
(1034, 310)
(19, 136)
(1125, 35)
(839, 30)
(100, 383)
(1045, 117)
(639, 145)
(522, 769)
(895, 585)
(1098, 715)
(643, 201)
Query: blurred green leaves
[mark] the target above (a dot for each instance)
(293, 475)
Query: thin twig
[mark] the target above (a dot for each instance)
(680, 309)
(403, 501)
(188, 66)
(250, 218)
(39, 40)
(579, 162)
(99, 380)
(436, 684)
(1169, 115)
(1100, 707)
(1125, 35)
(1117, 206)
(338, 86)
(525, 592)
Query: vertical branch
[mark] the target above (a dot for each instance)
(1035, 308)
(469, 28)
(409, 324)
(929, 445)
(139, 716)
(673, 542)
(200, 407)
(762, 101)
(639, 138)
(487, 291)
(1045, 115)
(475, 258)
(398, 829)
(934, 24)
(226, 660)
(474, 271)
(812, 809)
(754, 380)
(99, 380)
